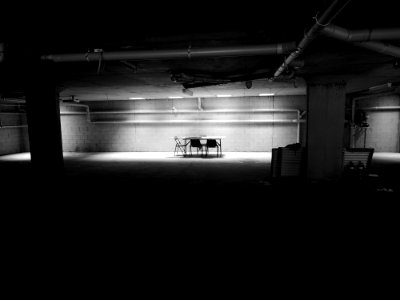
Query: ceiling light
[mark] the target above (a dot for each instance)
(136, 98)
(221, 96)
(175, 97)
(267, 94)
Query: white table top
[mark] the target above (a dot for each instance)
(202, 137)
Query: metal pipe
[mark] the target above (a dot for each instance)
(382, 48)
(12, 126)
(67, 113)
(199, 104)
(374, 95)
(298, 127)
(199, 121)
(352, 126)
(89, 119)
(190, 111)
(380, 108)
(381, 86)
(327, 17)
(13, 100)
(11, 104)
(361, 35)
(12, 113)
(273, 49)
(362, 39)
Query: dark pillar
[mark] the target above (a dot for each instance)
(325, 128)
(43, 116)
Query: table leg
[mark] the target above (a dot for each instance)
(186, 146)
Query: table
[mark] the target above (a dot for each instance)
(217, 138)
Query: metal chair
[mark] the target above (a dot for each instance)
(213, 144)
(179, 146)
(195, 143)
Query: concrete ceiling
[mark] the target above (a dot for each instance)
(178, 25)
(164, 87)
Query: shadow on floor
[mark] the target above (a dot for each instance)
(123, 178)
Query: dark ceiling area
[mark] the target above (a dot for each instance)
(153, 26)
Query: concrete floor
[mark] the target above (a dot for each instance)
(143, 175)
(163, 209)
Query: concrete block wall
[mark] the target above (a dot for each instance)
(383, 133)
(82, 136)
(13, 139)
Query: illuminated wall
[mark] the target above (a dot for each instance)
(383, 118)
(13, 138)
(243, 121)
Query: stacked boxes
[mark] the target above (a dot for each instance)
(287, 162)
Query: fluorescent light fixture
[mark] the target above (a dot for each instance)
(222, 96)
(267, 94)
(175, 97)
(136, 98)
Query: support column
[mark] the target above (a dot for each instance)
(43, 116)
(325, 129)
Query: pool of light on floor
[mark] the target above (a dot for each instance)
(16, 157)
(150, 156)
(154, 156)
(386, 156)
(168, 156)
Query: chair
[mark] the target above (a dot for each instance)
(179, 146)
(357, 161)
(195, 143)
(213, 144)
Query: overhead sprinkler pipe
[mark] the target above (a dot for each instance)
(274, 49)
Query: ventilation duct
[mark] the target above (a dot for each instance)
(365, 35)
(333, 10)
(363, 38)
